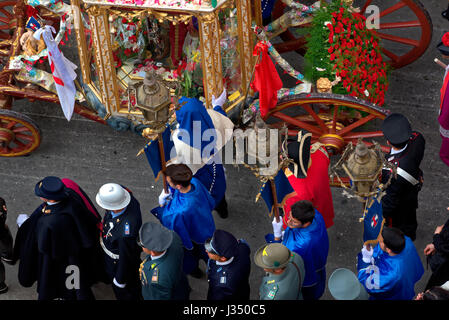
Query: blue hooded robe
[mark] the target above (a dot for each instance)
(312, 244)
(189, 214)
(391, 277)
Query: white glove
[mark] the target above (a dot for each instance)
(118, 284)
(367, 254)
(21, 219)
(164, 197)
(221, 99)
(277, 227)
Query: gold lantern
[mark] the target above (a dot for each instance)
(152, 97)
(363, 165)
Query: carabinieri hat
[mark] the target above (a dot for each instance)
(299, 152)
(222, 243)
(396, 128)
(272, 256)
(50, 188)
(154, 236)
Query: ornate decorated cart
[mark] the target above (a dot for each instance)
(196, 48)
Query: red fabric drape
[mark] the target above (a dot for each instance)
(266, 79)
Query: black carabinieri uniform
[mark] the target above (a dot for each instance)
(230, 281)
(119, 237)
(401, 200)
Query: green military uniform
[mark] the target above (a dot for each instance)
(163, 278)
(287, 285)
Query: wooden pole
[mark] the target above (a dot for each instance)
(440, 63)
(163, 164)
(275, 200)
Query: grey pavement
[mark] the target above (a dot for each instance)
(93, 154)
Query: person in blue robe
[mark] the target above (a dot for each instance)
(306, 234)
(390, 270)
(187, 210)
(193, 118)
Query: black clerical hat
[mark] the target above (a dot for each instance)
(299, 151)
(396, 128)
(50, 188)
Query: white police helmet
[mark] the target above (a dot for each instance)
(112, 196)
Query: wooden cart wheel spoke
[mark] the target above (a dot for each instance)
(20, 129)
(363, 9)
(364, 135)
(391, 55)
(356, 124)
(334, 119)
(392, 9)
(404, 24)
(25, 137)
(5, 43)
(20, 144)
(19, 135)
(5, 20)
(10, 125)
(298, 123)
(4, 148)
(390, 37)
(318, 120)
(4, 35)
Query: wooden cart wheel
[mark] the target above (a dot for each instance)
(405, 30)
(334, 120)
(7, 20)
(19, 135)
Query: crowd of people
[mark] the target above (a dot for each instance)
(66, 237)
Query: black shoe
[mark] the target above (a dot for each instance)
(445, 14)
(222, 209)
(3, 288)
(197, 273)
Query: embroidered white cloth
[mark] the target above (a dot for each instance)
(62, 70)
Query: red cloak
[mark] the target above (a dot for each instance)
(315, 187)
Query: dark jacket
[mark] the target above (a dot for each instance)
(231, 281)
(163, 278)
(121, 239)
(401, 199)
(439, 261)
(53, 238)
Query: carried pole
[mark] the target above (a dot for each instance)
(275, 200)
(163, 163)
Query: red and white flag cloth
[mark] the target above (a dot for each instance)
(62, 70)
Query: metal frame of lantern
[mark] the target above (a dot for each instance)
(209, 34)
(374, 178)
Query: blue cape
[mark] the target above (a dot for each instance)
(312, 244)
(190, 214)
(391, 277)
(194, 110)
(212, 176)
